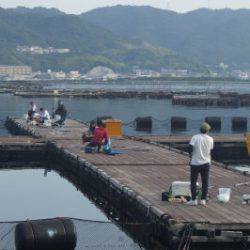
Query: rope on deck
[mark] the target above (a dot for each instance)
(186, 237)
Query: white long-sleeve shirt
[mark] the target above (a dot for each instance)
(33, 107)
(45, 115)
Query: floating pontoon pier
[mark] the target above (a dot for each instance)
(135, 180)
(221, 100)
(22, 150)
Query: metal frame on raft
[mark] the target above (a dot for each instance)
(164, 229)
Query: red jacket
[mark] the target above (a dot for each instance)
(100, 134)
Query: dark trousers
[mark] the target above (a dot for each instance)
(95, 144)
(31, 114)
(203, 170)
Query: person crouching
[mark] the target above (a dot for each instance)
(100, 136)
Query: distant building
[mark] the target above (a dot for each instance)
(58, 75)
(40, 51)
(73, 75)
(15, 70)
(62, 51)
(240, 74)
(146, 73)
(174, 72)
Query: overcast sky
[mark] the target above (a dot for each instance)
(79, 6)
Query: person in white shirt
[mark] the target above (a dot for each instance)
(31, 111)
(44, 115)
(200, 152)
(33, 106)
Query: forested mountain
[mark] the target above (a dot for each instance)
(210, 36)
(90, 44)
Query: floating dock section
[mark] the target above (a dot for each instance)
(229, 149)
(135, 180)
(221, 100)
(22, 151)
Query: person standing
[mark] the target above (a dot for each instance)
(200, 151)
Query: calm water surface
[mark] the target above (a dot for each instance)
(126, 110)
(35, 194)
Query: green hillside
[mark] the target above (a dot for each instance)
(90, 44)
(210, 36)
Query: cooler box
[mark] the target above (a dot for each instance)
(181, 188)
(114, 127)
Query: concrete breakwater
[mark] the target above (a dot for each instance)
(221, 100)
(135, 179)
(96, 94)
(188, 98)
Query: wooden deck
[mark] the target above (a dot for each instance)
(150, 169)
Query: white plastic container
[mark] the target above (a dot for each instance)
(224, 195)
(246, 199)
(57, 118)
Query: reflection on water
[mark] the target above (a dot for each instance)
(37, 194)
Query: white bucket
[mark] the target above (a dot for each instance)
(224, 195)
(57, 118)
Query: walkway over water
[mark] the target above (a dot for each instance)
(144, 170)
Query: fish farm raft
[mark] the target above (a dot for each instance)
(135, 180)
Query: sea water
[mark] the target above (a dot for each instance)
(126, 110)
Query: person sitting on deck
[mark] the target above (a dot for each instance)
(87, 136)
(61, 111)
(92, 126)
(44, 117)
(200, 151)
(100, 136)
(31, 111)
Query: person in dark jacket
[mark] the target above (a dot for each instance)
(62, 112)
